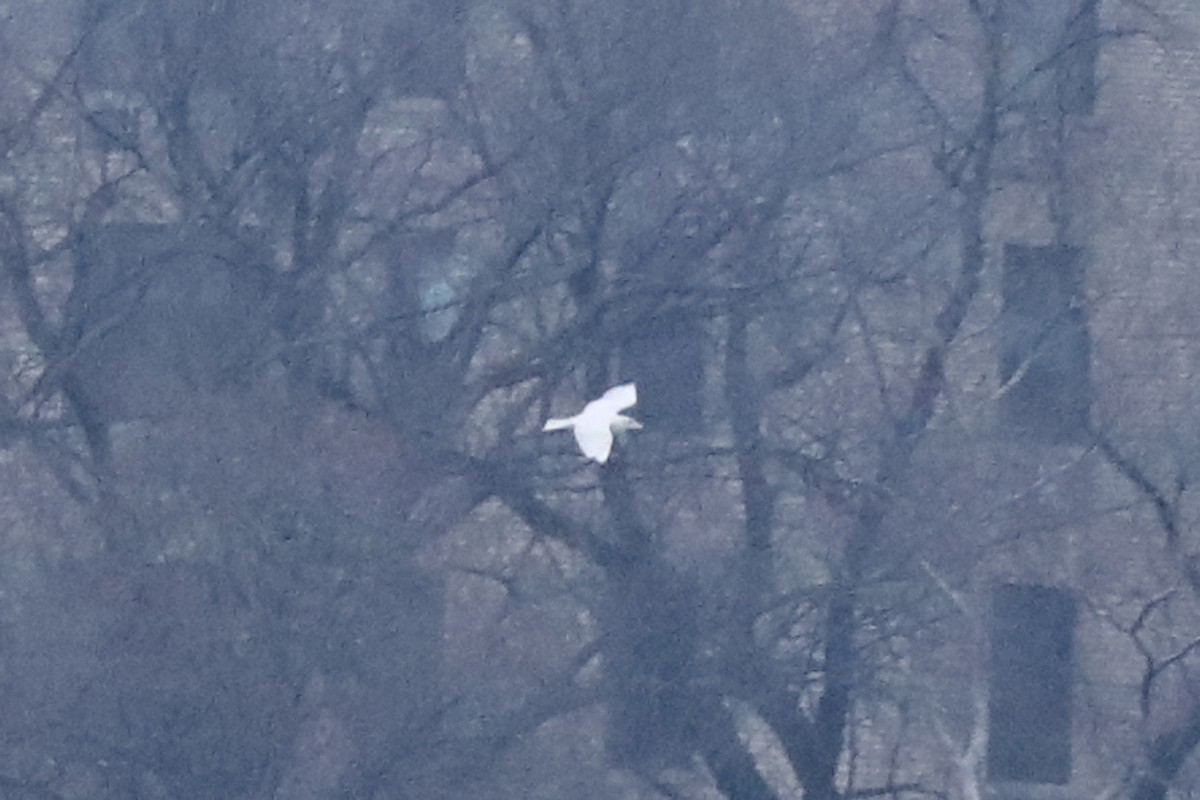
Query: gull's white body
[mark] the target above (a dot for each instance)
(595, 425)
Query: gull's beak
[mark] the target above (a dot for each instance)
(624, 423)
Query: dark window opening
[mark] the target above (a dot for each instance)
(1077, 67)
(666, 359)
(1029, 703)
(157, 312)
(1045, 350)
(1050, 64)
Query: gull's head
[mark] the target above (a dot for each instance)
(622, 423)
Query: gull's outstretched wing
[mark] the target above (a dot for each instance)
(618, 398)
(595, 439)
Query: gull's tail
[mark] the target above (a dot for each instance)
(559, 424)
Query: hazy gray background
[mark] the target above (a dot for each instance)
(907, 288)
